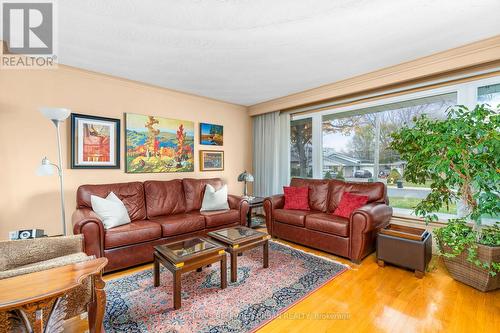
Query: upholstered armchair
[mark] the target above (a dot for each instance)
(33, 255)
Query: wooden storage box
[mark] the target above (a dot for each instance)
(406, 247)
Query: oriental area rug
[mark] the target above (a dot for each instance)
(259, 295)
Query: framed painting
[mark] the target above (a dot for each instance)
(211, 160)
(157, 145)
(95, 142)
(211, 135)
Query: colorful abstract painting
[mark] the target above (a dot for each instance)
(95, 142)
(211, 134)
(156, 144)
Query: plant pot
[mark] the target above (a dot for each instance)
(466, 272)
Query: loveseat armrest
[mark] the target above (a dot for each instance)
(365, 222)
(270, 204)
(14, 252)
(85, 221)
(241, 204)
(375, 215)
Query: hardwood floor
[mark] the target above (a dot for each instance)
(368, 298)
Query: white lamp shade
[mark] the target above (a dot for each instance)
(58, 114)
(45, 170)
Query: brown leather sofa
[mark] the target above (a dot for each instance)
(353, 238)
(160, 211)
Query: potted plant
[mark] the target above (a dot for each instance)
(460, 155)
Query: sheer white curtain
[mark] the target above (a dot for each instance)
(266, 154)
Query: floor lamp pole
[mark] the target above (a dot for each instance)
(60, 172)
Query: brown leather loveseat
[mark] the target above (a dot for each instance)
(160, 211)
(318, 228)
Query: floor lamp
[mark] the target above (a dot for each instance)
(46, 168)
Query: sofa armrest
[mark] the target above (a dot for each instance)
(240, 203)
(375, 216)
(365, 222)
(14, 253)
(85, 221)
(270, 204)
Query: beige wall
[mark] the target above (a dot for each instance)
(28, 201)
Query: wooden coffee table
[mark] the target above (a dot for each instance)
(188, 255)
(239, 240)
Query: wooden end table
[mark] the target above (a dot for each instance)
(188, 255)
(255, 202)
(239, 240)
(30, 293)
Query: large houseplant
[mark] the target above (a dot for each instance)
(460, 155)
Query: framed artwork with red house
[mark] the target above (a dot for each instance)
(95, 142)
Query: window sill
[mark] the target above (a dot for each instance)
(417, 221)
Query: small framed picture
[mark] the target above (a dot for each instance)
(95, 142)
(211, 160)
(211, 135)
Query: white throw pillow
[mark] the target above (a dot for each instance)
(111, 210)
(215, 200)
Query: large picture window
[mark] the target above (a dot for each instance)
(352, 142)
(489, 95)
(356, 146)
(301, 148)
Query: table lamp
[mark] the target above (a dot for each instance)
(245, 177)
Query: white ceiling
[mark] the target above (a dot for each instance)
(249, 51)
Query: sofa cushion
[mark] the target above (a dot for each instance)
(328, 223)
(194, 189)
(164, 197)
(376, 192)
(349, 203)
(110, 210)
(293, 217)
(131, 194)
(221, 217)
(180, 224)
(318, 192)
(214, 200)
(296, 198)
(132, 233)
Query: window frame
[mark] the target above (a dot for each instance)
(467, 94)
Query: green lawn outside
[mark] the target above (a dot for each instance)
(408, 184)
(410, 203)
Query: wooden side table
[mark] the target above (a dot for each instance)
(239, 240)
(406, 247)
(30, 293)
(254, 203)
(187, 255)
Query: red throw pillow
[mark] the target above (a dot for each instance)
(296, 197)
(349, 203)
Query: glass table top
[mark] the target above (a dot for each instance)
(237, 233)
(189, 247)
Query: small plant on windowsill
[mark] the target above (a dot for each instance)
(460, 155)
